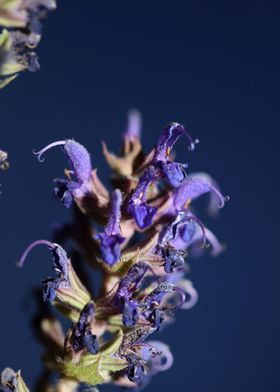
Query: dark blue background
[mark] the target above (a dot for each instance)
(213, 66)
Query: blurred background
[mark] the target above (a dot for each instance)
(214, 66)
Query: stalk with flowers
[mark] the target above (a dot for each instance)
(138, 236)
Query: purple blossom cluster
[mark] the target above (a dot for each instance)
(138, 236)
(21, 34)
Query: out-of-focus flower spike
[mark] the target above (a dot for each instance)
(4, 164)
(12, 381)
(111, 239)
(35, 4)
(12, 13)
(65, 291)
(134, 126)
(23, 17)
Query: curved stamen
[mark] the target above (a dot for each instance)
(21, 261)
(182, 296)
(162, 350)
(193, 297)
(48, 147)
(192, 142)
(221, 198)
(202, 227)
(217, 247)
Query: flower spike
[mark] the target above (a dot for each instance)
(148, 232)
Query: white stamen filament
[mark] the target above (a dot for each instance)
(48, 147)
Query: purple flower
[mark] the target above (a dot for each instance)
(135, 371)
(173, 239)
(168, 138)
(130, 314)
(183, 227)
(174, 172)
(156, 296)
(137, 205)
(111, 239)
(123, 297)
(173, 258)
(145, 359)
(131, 349)
(193, 187)
(60, 264)
(80, 163)
(133, 308)
(82, 336)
